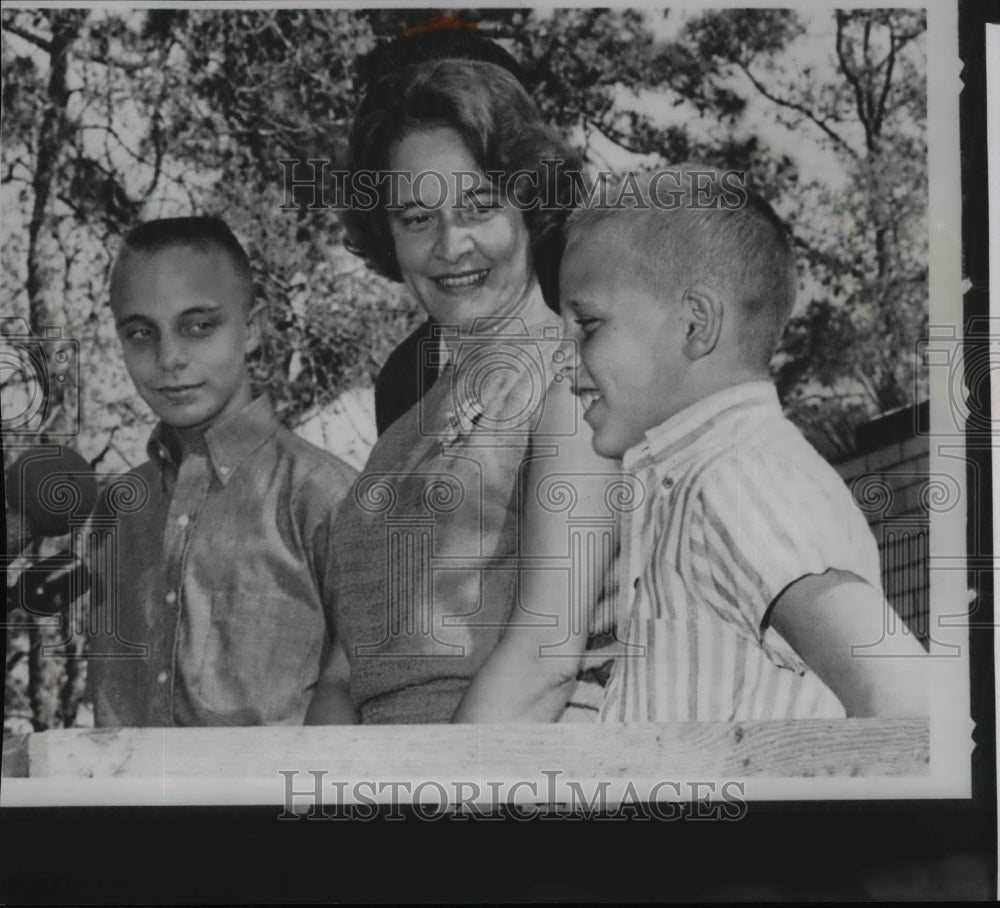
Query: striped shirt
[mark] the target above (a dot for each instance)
(736, 505)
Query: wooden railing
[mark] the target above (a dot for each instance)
(799, 748)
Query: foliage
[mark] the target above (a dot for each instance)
(851, 352)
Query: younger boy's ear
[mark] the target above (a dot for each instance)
(254, 329)
(703, 313)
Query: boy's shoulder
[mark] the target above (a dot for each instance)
(127, 493)
(311, 465)
(773, 464)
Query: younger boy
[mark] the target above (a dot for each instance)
(216, 579)
(748, 573)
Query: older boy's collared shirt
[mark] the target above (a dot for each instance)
(215, 572)
(735, 506)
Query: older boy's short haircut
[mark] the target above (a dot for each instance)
(696, 223)
(201, 232)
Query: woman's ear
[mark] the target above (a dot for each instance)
(703, 312)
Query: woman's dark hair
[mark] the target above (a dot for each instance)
(501, 127)
(446, 44)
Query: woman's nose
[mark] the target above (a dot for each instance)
(454, 241)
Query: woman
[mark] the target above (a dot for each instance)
(403, 377)
(459, 486)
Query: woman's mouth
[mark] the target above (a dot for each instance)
(463, 280)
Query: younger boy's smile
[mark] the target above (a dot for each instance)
(589, 397)
(632, 365)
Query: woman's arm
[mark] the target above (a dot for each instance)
(331, 703)
(569, 537)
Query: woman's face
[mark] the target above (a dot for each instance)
(463, 251)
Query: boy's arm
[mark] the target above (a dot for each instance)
(822, 616)
(531, 673)
(331, 703)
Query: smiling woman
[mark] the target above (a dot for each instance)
(462, 253)
(480, 477)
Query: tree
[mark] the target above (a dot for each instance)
(851, 352)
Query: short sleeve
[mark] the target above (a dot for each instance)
(768, 519)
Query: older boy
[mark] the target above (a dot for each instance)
(218, 570)
(749, 572)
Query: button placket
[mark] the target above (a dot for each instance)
(189, 493)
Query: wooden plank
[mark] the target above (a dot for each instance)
(803, 748)
(15, 756)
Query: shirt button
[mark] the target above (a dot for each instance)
(162, 677)
(667, 482)
(171, 597)
(183, 520)
(224, 470)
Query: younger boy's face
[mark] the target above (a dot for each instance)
(185, 328)
(630, 342)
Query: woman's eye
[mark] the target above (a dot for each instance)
(481, 209)
(415, 219)
(587, 324)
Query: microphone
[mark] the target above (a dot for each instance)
(51, 492)
(47, 495)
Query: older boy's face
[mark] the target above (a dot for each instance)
(630, 342)
(185, 330)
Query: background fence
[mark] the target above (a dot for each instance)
(889, 476)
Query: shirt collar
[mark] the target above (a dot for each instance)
(713, 415)
(228, 443)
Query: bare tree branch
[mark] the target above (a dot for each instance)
(44, 43)
(95, 462)
(822, 122)
(852, 78)
(52, 133)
